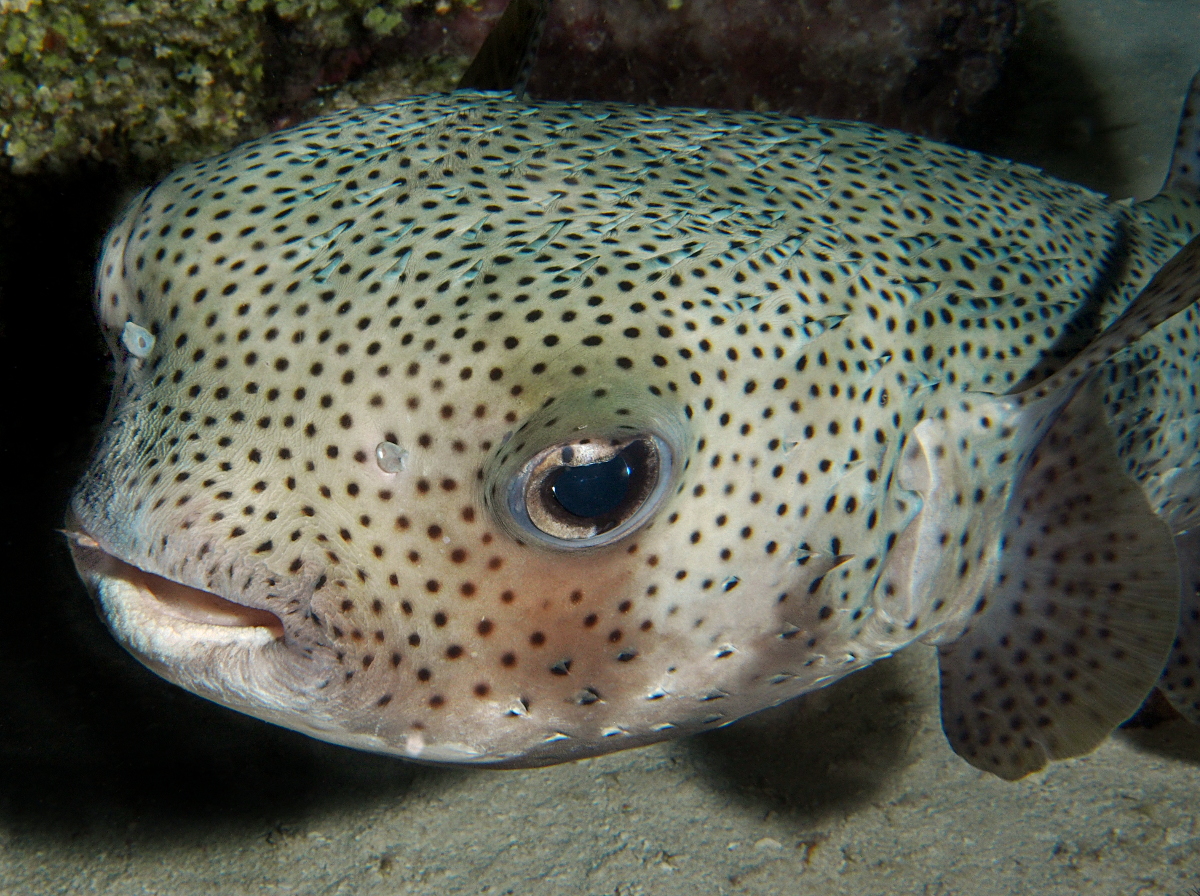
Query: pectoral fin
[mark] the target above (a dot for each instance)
(1183, 176)
(1076, 628)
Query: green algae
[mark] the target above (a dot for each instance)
(155, 80)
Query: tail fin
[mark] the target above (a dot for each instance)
(505, 60)
(1184, 174)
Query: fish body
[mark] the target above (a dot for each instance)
(478, 430)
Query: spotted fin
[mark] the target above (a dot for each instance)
(505, 60)
(1074, 628)
(1181, 679)
(1075, 631)
(1184, 174)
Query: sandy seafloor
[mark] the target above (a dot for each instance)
(116, 783)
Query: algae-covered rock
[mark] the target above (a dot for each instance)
(160, 79)
(108, 78)
(164, 81)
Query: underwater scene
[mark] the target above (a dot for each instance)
(602, 447)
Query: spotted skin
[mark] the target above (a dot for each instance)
(822, 320)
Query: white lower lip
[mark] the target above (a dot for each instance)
(235, 655)
(159, 596)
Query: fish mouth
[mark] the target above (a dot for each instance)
(243, 657)
(157, 596)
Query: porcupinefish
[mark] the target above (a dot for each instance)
(472, 429)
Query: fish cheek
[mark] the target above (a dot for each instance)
(480, 631)
(572, 622)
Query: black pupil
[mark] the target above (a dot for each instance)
(593, 490)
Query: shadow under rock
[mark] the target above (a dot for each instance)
(823, 754)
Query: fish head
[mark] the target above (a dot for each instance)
(407, 474)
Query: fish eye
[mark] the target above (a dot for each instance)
(590, 492)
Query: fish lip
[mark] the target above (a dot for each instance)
(244, 658)
(183, 602)
(173, 604)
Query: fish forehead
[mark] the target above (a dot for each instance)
(431, 273)
(566, 187)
